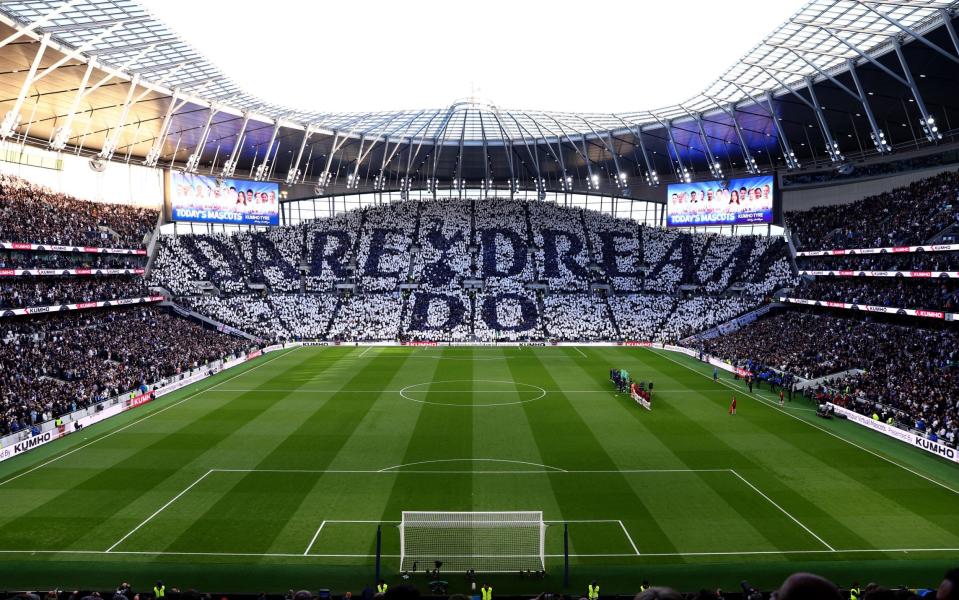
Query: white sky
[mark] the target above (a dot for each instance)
(564, 55)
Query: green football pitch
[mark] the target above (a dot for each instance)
(278, 473)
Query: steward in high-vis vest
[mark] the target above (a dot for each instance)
(486, 592)
(854, 591)
(593, 591)
(159, 590)
(381, 587)
(644, 586)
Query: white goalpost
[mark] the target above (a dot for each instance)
(486, 542)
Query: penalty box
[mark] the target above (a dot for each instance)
(335, 513)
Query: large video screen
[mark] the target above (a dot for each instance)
(204, 199)
(744, 201)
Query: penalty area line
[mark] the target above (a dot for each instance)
(813, 425)
(313, 541)
(782, 510)
(629, 537)
(158, 511)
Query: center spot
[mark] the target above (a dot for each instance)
(472, 392)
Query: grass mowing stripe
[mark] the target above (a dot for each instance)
(151, 414)
(158, 511)
(699, 521)
(440, 432)
(555, 425)
(783, 510)
(254, 525)
(826, 431)
(733, 439)
(121, 488)
(756, 522)
(911, 509)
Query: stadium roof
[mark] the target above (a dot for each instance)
(817, 71)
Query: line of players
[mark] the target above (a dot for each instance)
(623, 383)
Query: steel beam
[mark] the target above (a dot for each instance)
(229, 167)
(262, 170)
(62, 133)
(926, 121)
(110, 144)
(12, 119)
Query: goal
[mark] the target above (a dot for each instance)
(486, 542)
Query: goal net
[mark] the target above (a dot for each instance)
(486, 542)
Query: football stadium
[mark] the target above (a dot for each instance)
(255, 347)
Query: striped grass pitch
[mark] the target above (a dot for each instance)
(284, 469)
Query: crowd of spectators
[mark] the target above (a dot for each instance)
(503, 236)
(910, 373)
(507, 317)
(446, 316)
(383, 254)
(23, 292)
(577, 317)
(904, 261)
(798, 586)
(330, 249)
(16, 259)
(33, 214)
(510, 247)
(617, 246)
(641, 317)
(368, 317)
(698, 313)
(562, 257)
(183, 262)
(54, 364)
(908, 215)
(442, 259)
(898, 292)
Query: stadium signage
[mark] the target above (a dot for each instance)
(33, 310)
(140, 400)
(206, 199)
(747, 200)
(46, 272)
(902, 435)
(906, 274)
(913, 312)
(77, 249)
(31, 443)
(883, 250)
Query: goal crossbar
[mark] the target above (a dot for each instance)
(485, 542)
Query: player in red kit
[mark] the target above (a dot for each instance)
(781, 397)
(732, 406)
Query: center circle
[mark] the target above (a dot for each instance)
(447, 390)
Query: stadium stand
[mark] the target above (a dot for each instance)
(22, 292)
(54, 364)
(909, 215)
(892, 292)
(910, 370)
(910, 261)
(505, 245)
(32, 214)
